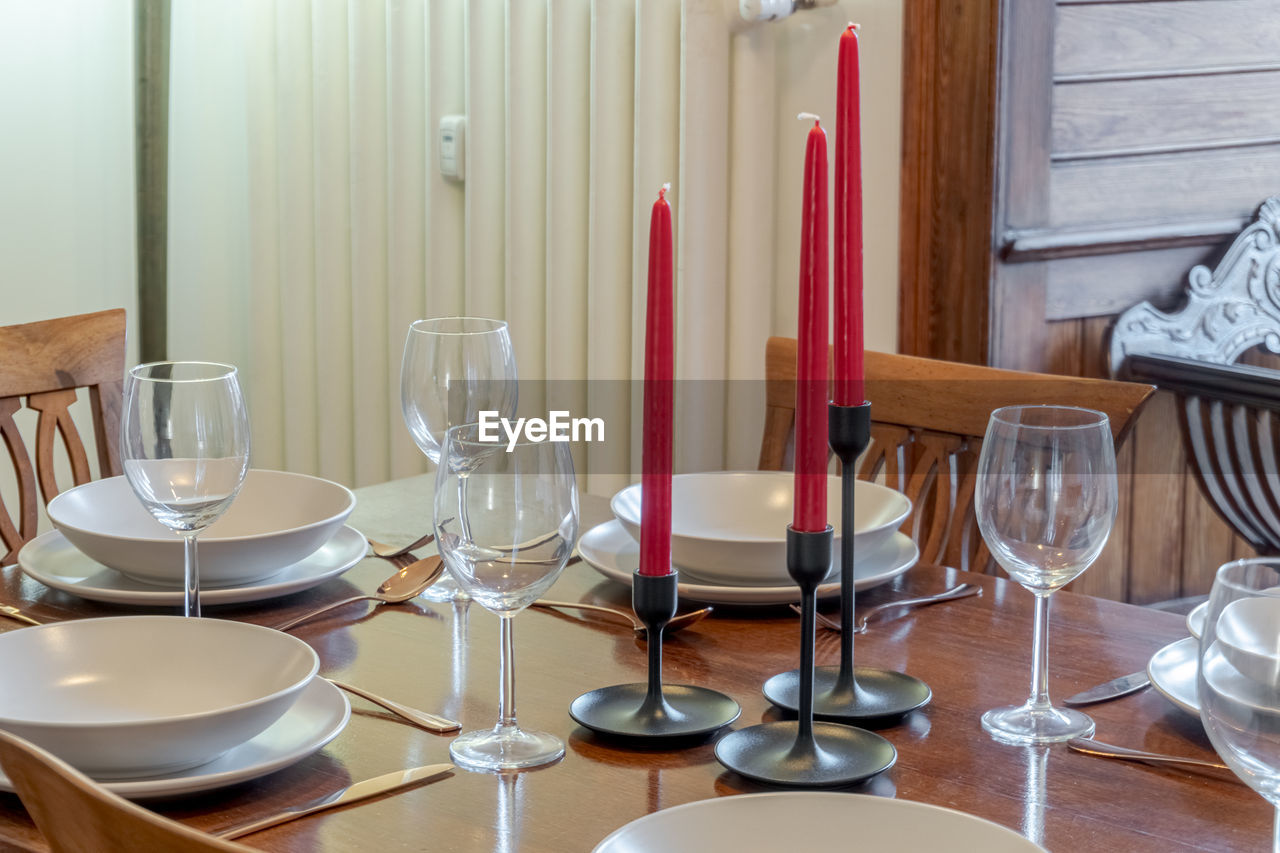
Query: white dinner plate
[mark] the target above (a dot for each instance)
(1195, 619)
(611, 551)
(1172, 671)
(822, 821)
(56, 563)
(320, 713)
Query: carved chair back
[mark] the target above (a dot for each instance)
(42, 365)
(1228, 412)
(928, 420)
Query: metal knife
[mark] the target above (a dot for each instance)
(383, 784)
(1113, 689)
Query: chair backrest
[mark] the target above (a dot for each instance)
(77, 815)
(928, 420)
(44, 364)
(1227, 411)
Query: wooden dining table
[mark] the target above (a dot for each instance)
(975, 653)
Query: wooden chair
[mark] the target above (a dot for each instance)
(1228, 411)
(77, 815)
(928, 419)
(46, 363)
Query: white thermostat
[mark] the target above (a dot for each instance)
(453, 132)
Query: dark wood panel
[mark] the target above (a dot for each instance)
(1164, 113)
(1199, 185)
(1157, 36)
(1108, 284)
(947, 174)
(1156, 549)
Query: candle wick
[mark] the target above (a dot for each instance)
(854, 27)
(804, 116)
(666, 188)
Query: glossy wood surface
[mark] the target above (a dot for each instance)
(974, 653)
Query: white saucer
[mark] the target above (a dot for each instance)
(611, 551)
(56, 563)
(830, 821)
(320, 713)
(1172, 671)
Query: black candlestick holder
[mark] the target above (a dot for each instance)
(654, 710)
(803, 753)
(847, 692)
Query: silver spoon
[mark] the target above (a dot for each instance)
(402, 586)
(1089, 746)
(684, 620)
(964, 590)
(381, 549)
(430, 722)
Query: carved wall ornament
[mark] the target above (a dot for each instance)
(1229, 310)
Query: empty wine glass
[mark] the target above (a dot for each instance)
(1238, 681)
(521, 507)
(1045, 500)
(454, 368)
(184, 447)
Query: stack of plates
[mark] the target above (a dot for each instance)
(283, 533)
(164, 705)
(728, 538)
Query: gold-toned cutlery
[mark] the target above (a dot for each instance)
(400, 587)
(1089, 746)
(386, 783)
(14, 613)
(430, 722)
(964, 590)
(684, 620)
(388, 552)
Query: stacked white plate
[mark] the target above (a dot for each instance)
(283, 533)
(728, 537)
(163, 705)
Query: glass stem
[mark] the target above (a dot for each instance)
(507, 695)
(1039, 700)
(190, 577)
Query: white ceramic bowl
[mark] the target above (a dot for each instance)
(129, 696)
(277, 519)
(731, 526)
(1248, 634)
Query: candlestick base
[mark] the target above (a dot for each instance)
(871, 697)
(654, 711)
(777, 754)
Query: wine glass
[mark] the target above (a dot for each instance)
(1045, 499)
(521, 506)
(1238, 680)
(454, 368)
(184, 447)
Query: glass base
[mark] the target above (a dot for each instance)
(1024, 724)
(508, 748)
(445, 589)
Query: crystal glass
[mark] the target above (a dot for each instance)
(1238, 682)
(505, 540)
(184, 447)
(1045, 499)
(454, 368)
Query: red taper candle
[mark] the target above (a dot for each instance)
(849, 389)
(811, 363)
(659, 402)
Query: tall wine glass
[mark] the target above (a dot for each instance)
(184, 446)
(454, 368)
(1046, 500)
(1238, 680)
(521, 507)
